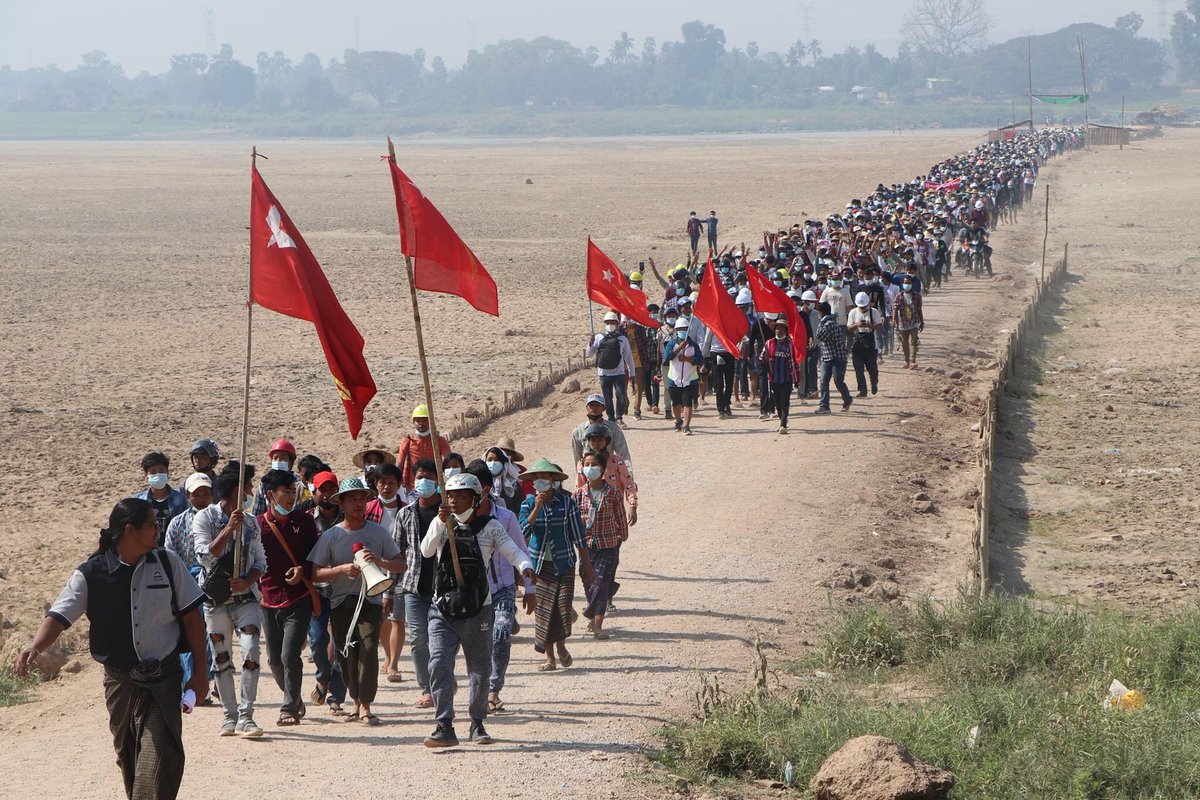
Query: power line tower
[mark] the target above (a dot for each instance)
(806, 21)
(210, 30)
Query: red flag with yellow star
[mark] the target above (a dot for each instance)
(442, 262)
(609, 287)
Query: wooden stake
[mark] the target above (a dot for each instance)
(1046, 235)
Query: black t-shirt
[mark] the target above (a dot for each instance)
(425, 517)
(110, 612)
(162, 517)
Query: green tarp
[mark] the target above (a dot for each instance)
(1061, 99)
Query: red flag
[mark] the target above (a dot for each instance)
(770, 299)
(606, 284)
(285, 277)
(442, 262)
(716, 309)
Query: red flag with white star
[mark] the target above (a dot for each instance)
(285, 277)
(609, 287)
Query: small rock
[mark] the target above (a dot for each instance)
(886, 563)
(570, 387)
(976, 428)
(923, 506)
(920, 496)
(1109, 408)
(878, 768)
(51, 662)
(529, 181)
(862, 577)
(956, 374)
(1116, 537)
(956, 408)
(919, 480)
(884, 590)
(1115, 371)
(73, 666)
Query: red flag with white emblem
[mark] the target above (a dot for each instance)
(716, 309)
(770, 299)
(442, 262)
(285, 277)
(608, 286)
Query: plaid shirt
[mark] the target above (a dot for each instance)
(407, 534)
(832, 338)
(606, 524)
(179, 538)
(555, 534)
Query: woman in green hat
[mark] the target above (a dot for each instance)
(553, 526)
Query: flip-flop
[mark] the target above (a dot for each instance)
(351, 717)
(566, 660)
(602, 635)
(394, 677)
(370, 720)
(426, 701)
(287, 720)
(496, 706)
(547, 667)
(302, 711)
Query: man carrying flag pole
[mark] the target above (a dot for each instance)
(436, 259)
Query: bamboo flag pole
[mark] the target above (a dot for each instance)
(1083, 74)
(1029, 70)
(1046, 235)
(237, 539)
(433, 431)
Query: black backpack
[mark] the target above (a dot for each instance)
(608, 352)
(466, 600)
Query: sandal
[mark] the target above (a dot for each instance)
(546, 666)
(602, 635)
(426, 701)
(370, 720)
(566, 661)
(301, 711)
(318, 694)
(287, 719)
(495, 706)
(336, 710)
(352, 717)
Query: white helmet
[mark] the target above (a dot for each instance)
(979, 204)
(464, 480)
(744, 296)
(809, 296)
(862, 300)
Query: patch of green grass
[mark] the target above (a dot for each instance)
(1031, 678)
(14, 690)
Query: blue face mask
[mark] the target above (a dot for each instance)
(425, 487)
(157, 480)
(450, 472)
(495, 467)
(541, 484)
(279, 510)
(681, 335)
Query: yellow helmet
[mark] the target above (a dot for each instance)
(635, 276)
(421, 412)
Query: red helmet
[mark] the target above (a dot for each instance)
(282, 444)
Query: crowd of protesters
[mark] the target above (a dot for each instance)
(290, 556)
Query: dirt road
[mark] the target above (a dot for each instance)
(742, 552)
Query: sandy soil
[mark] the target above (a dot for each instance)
(742, 552)
(1097, 458)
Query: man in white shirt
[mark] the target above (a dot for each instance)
(614, 365)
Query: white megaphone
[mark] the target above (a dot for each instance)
(376, 580)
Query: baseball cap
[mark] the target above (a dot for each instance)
(195, 481)
(322, 478)
(594, 398)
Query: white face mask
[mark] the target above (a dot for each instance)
(592, 472)
(157, 480)
(450, 472)
(610, 327)
(283, 465)
(465, 516)
(421, 433)
(541, 484)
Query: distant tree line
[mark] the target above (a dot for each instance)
(699, 70)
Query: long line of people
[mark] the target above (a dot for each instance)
(858, 280)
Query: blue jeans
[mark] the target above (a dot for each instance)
(185, 659)
(615, 384)
(329, 674)
(504, 601)
(446, 635)
(416, 609)
(835, 369)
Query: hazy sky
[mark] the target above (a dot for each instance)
(143, 34)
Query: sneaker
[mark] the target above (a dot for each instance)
(228, 728)
(783, 429)
(443, 736)
(249, 728)
(479, 734)
(846, 405)
(822, 410)
(678, 424)
(763, 417)
(637, 414)
(687, 431)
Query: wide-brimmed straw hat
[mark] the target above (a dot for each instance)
(543, 466)
(507, 444)
(361, 455)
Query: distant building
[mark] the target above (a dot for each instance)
(939, 86)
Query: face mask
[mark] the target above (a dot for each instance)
(635, 286)
(248, 505)
(425, 487)
(592, 472)
(671, 320)
(541, 485)
(779, 335)
(388, 501)
(450, 472)
(283, 465)
(610, 328)
(654, 317)
(681, 335)
(420, 433)
(495, 467)
(328, 506)
(157, 480)
(595, 417)
(822, 286)
(310, 487)
(836, 284)
(279, 510)
(464, 517)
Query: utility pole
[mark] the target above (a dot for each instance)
(210, 30)
(1029, 69)
(1083, 74)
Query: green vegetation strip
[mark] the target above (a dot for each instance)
(1032, 680)
(14, 690)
